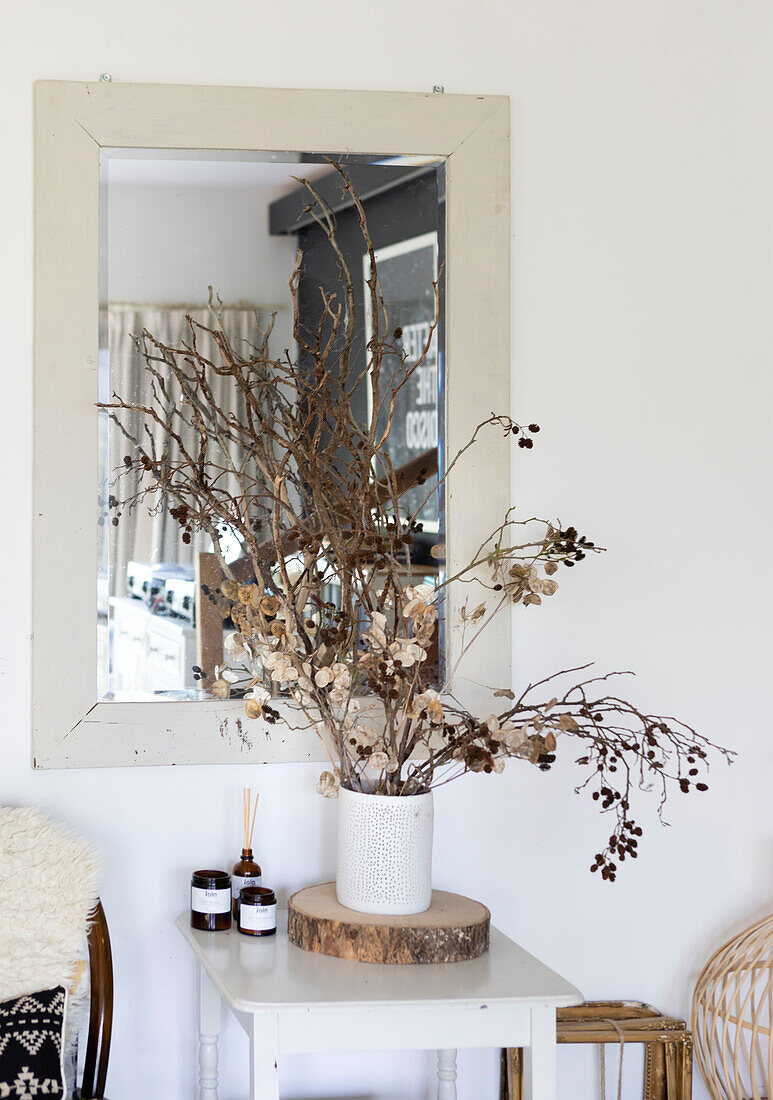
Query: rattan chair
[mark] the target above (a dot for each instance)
(668, 1045)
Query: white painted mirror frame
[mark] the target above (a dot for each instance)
(72, 122)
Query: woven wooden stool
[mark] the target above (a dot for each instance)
(668, 1050)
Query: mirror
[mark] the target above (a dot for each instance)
(137, 190)
(195, 242)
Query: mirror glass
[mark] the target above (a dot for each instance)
(215, 240)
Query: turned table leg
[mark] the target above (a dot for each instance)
(209, 1031)
(264, 1056)
(446, 1075)
(540, 1055)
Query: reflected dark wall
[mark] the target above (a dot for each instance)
(406, 210)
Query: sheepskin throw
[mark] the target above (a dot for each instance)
(31, 1045)
(49, 886)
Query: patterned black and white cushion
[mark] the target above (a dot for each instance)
(31, 1046)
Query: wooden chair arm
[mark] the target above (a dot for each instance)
(101, 1012)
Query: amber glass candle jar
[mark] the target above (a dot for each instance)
(211, 901)
(245, 873)
(257, 911)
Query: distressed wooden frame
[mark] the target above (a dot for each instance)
(73, 121)
(667, 1046)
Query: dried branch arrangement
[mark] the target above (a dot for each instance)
(309, 489)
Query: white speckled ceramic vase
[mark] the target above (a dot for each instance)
(384, 857)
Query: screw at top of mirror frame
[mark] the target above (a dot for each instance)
(438, 88)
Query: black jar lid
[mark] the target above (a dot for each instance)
(211, 880)
(256, 895)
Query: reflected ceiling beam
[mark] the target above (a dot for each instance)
(288, 214)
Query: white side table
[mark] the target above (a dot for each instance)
(291, 1001)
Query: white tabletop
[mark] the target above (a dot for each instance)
(269, 973)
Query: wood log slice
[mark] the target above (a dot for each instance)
(454, 928)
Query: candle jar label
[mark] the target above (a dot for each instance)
(238, 881)
(257, 918)
(210, 901)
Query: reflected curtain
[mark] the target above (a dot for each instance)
(145, 535)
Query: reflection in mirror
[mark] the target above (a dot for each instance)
(226, 281)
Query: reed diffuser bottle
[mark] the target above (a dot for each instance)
(246, 872)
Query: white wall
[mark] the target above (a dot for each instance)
(642, 243)
(168, 243)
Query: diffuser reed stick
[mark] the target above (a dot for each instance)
(249, 821)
